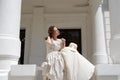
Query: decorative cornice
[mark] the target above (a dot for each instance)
(95, 2)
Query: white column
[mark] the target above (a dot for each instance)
(9, 35)
(99, 45)
(38, 52)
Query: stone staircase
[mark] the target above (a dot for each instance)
(32, 72)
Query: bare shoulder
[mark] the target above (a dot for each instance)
(48, 41)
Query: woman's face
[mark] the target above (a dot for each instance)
(56, 32)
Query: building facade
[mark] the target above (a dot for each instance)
(98, 21)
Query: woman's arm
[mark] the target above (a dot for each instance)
(63, 42)
(48, 41)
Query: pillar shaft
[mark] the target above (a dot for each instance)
(9, 35)
(99, 43)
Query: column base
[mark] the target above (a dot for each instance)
(115, 50)
(100, 58)
(107, 72)
(4, 74)
(5, 66)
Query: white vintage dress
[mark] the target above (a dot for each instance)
(65, 64)
(77, 67)
(53, 68)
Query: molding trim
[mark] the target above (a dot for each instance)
(95, 2)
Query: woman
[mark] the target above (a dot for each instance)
(53, 68)
(64, 63)
(52, 42)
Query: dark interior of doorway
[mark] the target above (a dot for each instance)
(72, 35)
(22, 39)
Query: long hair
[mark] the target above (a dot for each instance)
(50, 32)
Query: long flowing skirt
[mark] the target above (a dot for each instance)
(77, 67)
(55, 66)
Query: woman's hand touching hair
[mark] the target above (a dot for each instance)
(63, 42)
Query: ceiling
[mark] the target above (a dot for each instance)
(55, 6)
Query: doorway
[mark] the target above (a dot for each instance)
(22, 39)
(72, 35)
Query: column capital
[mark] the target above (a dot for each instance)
(95, 2)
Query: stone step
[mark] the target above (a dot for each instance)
(23, 72)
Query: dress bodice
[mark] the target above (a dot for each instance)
(55, 46)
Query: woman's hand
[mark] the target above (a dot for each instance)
(64, 42)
